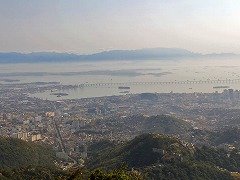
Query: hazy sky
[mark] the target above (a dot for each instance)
(86, 26)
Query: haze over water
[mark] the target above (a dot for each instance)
(75, 73)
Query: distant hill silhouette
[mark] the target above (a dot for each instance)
(140, 54)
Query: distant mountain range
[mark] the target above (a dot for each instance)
(140, 54)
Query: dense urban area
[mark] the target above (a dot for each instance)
(71, 126)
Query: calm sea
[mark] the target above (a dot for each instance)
(75, 73)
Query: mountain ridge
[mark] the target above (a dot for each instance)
(138, 54)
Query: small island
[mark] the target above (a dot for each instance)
(10, 80)
(59, 94)
(123, 87)
(221, 87)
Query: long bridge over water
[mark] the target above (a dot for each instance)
(102, 84)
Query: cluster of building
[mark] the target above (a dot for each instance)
(70, 126)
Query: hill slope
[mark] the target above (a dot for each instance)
(167, 157)
(228, 135)
(143, 150)
(15, 153)
(153, 156)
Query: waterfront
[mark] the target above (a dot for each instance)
(89, 92)
(75, 73)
